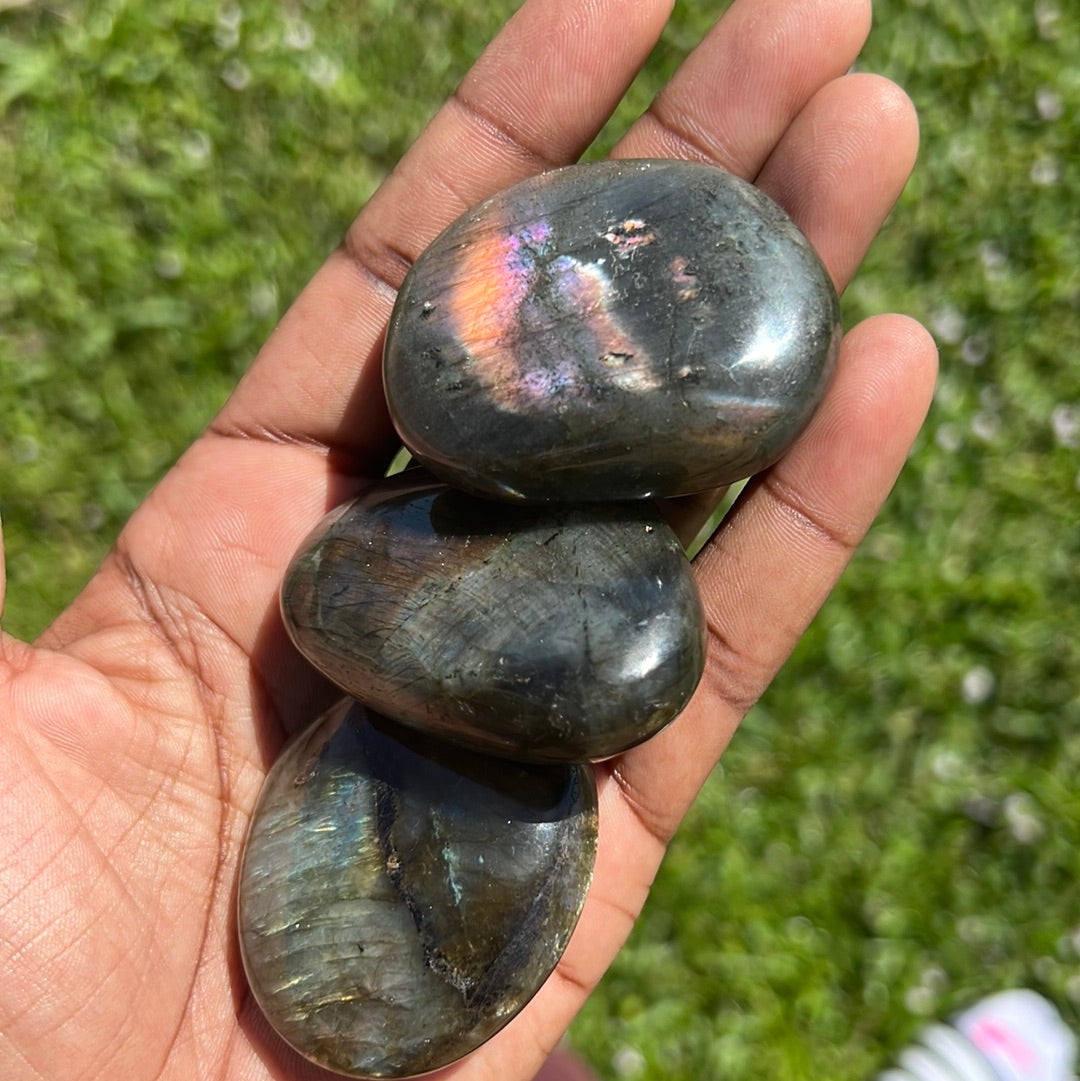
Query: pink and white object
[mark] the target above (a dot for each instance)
(1012, 1036)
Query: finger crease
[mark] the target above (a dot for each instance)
(264, 433)
(693, 144)
(788, 501)
(624, 912)
(503, 133)
(655, 824)
(580, 987)
(737, 678)
(385, 264)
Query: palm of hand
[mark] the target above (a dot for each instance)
(138, 730)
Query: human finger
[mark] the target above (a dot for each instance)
(837, 169)
(779, 552)
(736, 94)
(841, 165)
(534, 99)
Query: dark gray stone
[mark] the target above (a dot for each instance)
(615, 330)
(542, 633)
(401, 900)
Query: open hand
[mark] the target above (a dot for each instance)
(137, 731)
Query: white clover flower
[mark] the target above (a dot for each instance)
(1065, 422)
(1048, 103)
(236, 75)
(978, 685)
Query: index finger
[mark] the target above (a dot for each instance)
(535, 99)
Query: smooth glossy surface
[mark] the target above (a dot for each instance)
(400, 900)
(611, 331)
(546, 633)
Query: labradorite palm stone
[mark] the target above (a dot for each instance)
(401, 900)
(616, 330)
(545, 633)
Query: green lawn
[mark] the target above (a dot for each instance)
(896, 830)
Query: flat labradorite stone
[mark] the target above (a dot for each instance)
(558, 633)
(616, 330)
(401, 900)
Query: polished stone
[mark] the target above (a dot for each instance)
(401, 900)
(615, 330)
(544, 633)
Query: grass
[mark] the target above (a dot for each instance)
(896, 829)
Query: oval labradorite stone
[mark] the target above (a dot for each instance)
(542, 633)
(400, 900)
(616, 330)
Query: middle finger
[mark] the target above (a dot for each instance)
(735, 95)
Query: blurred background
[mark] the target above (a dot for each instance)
(896, 829)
